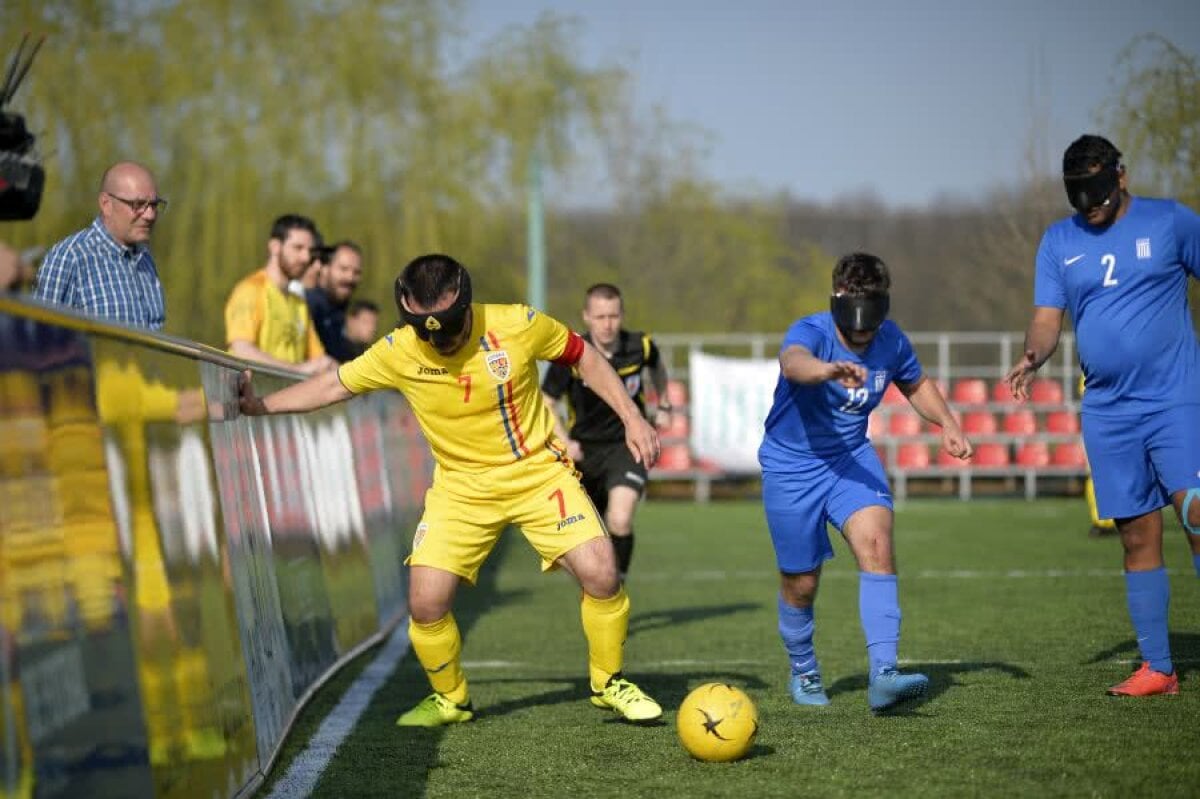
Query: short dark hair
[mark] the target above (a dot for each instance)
(427, 277)
(605, 291)
(358, 306)
(289, 222)
(1088, 152)
(860, 273)
(348, 244)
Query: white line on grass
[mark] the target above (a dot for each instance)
(716, 575)
(310, 764)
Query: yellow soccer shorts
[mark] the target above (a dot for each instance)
(465, 515)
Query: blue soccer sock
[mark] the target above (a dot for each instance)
(879, 610)
(796, 630)
(1149, 594)
(1196, 563)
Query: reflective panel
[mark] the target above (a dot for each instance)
(174, 578)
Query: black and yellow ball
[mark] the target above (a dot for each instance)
(717, 723)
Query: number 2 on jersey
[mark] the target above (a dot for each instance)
(1109, 262)
(857, 398)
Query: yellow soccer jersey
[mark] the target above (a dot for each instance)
(482, 406)
(277, 322)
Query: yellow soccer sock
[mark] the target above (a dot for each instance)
(605, 622)
(438, 646)
(1089, 490)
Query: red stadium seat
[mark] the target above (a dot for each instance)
(972, 391)
(948, 461)
(990, 455)
(903, 423)
(894, 396)
(912, 456)
(876, 426)
(679, 426)
(1020, 423)
(677, 393)
(1046, 392)
(674, 458)
(979, 423)
(1062, 422)
(1069, 454)
(1033, 453)
(1002, 393)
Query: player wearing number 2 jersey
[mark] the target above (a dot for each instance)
(469, 371)
(1121, 267)
(819, 467)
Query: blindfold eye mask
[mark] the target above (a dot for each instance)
(444, 325)
(859, 314)
(1085, 192)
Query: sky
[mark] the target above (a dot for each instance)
(909, 100)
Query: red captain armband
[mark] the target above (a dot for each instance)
(573, 351)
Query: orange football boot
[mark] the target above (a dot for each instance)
(1147, 682)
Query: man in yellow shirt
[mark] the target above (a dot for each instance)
(265, 320)
(469, 371)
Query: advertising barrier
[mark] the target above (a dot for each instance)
(176, 579)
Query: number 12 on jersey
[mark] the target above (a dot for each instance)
(857, 398)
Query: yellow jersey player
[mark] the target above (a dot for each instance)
(469, 371)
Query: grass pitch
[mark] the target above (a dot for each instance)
(1017, 617)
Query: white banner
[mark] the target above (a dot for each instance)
(729, 401)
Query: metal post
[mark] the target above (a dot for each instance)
(536, 252)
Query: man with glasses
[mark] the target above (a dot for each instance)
(1121, 265)
(106, 269)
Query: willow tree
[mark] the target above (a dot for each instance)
(359, 114)
(1155, 116)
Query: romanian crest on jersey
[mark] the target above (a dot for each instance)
(498, 365)
(419, 535)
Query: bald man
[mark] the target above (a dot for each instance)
(105, 270)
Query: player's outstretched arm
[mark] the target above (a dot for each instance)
(801, 366)
(600, 377)
(1041, 340)
(928, 401)
(315, 392)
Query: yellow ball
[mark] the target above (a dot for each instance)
(717, 723)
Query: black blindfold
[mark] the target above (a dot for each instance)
(440, 326)
(859, 314)
(1085, 192)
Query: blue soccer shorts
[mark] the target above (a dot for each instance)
(1138, 461)
(816, 491)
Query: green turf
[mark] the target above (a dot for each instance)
(1018, 618)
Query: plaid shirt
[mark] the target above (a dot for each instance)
(90, 271)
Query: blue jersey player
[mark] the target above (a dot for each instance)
(1121, 267)
(819, 467)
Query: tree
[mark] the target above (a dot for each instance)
(1155, 118)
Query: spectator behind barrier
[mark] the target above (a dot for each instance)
(337, 281)
(106, 269)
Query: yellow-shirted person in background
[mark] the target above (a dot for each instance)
(469, 371)
(1100, 527)
(266, 320)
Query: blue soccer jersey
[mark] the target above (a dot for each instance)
(828, 419)
(1125, 287)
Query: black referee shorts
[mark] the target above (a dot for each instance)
(605, 466)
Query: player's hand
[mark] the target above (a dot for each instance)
(315, 366)
(848, 373)
(957, 444)
(574, 450)
(248, 402)
(642, 440)
(1021, 375)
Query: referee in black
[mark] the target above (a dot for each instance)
(594, 434)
